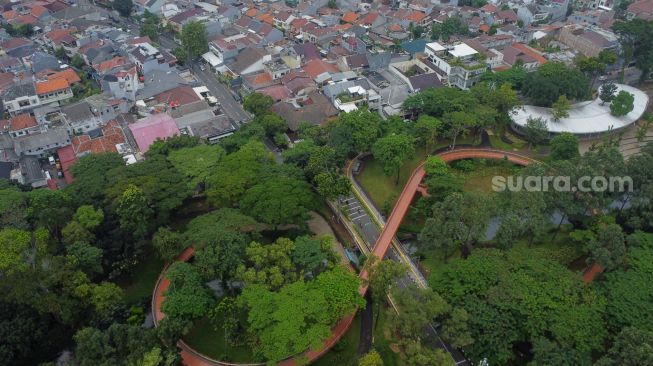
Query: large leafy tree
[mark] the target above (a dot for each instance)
(622, 104)
(237, 172)
(564, 146)
(560, 108)
(124, 7)
(134, 212)
(196, 162)
(355, 132)
(167, 243)
(628, 291)
(257, 103)
(536, 131)
(631, 347)
(193, 39)
(521, 296)
(279, 202)
(607, 247)
(118, 344)
(186, 297)
(552, 80)
(221, 257)
(382, 274)
(427, 129)
(269, 265)
(391, 151)
(636, 42)
(300, 314)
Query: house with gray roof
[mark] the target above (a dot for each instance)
(20, 97)
(41, 144)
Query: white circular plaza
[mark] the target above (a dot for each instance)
(586, 119)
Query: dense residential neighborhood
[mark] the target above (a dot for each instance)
(326, 182)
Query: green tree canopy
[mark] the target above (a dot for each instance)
(552, 80)
(257, 103)
(193, 39)
(622, 104)
(391, 151)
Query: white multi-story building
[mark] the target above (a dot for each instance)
(461, 64)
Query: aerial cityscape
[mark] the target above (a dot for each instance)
(326, 182)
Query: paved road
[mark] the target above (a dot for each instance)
(230, 106)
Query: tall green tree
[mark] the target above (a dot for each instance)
(608, 92)
(134, 212)
(631, 347)
(622, 104)
(257, 103)
(564, 146)
(552, 80)
(560, 108)
(193, 39)
(634, 36)
(536, 131)
(124, 7)
(391, 151)
(186, 297)
(279, 202)
(382, 274)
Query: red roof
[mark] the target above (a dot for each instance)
(109, 64)
(316, 67)
(67, 158)
(369, 19)
(349, 17)
(69, 74)
(180, 95)
(112, 135)
(276, 92)
(531, 52)
(50, 86)
(22, 121)
(416, 16)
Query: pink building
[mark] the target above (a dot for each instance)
(149, 129)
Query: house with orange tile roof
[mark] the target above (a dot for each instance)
(69, 74)
(350, 17)
(53, 90)
(22, 124)
(371, 20)
(267, 18)
(106, 66)
(417, 17)
(60, 37)
(319, 70)
(531, 52)
(97, 142)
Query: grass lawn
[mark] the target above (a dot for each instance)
(381, 188)
(480, 178)
(383, 339)
(138, 288)
(206, 340)
(345, 351)
(517, 143)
